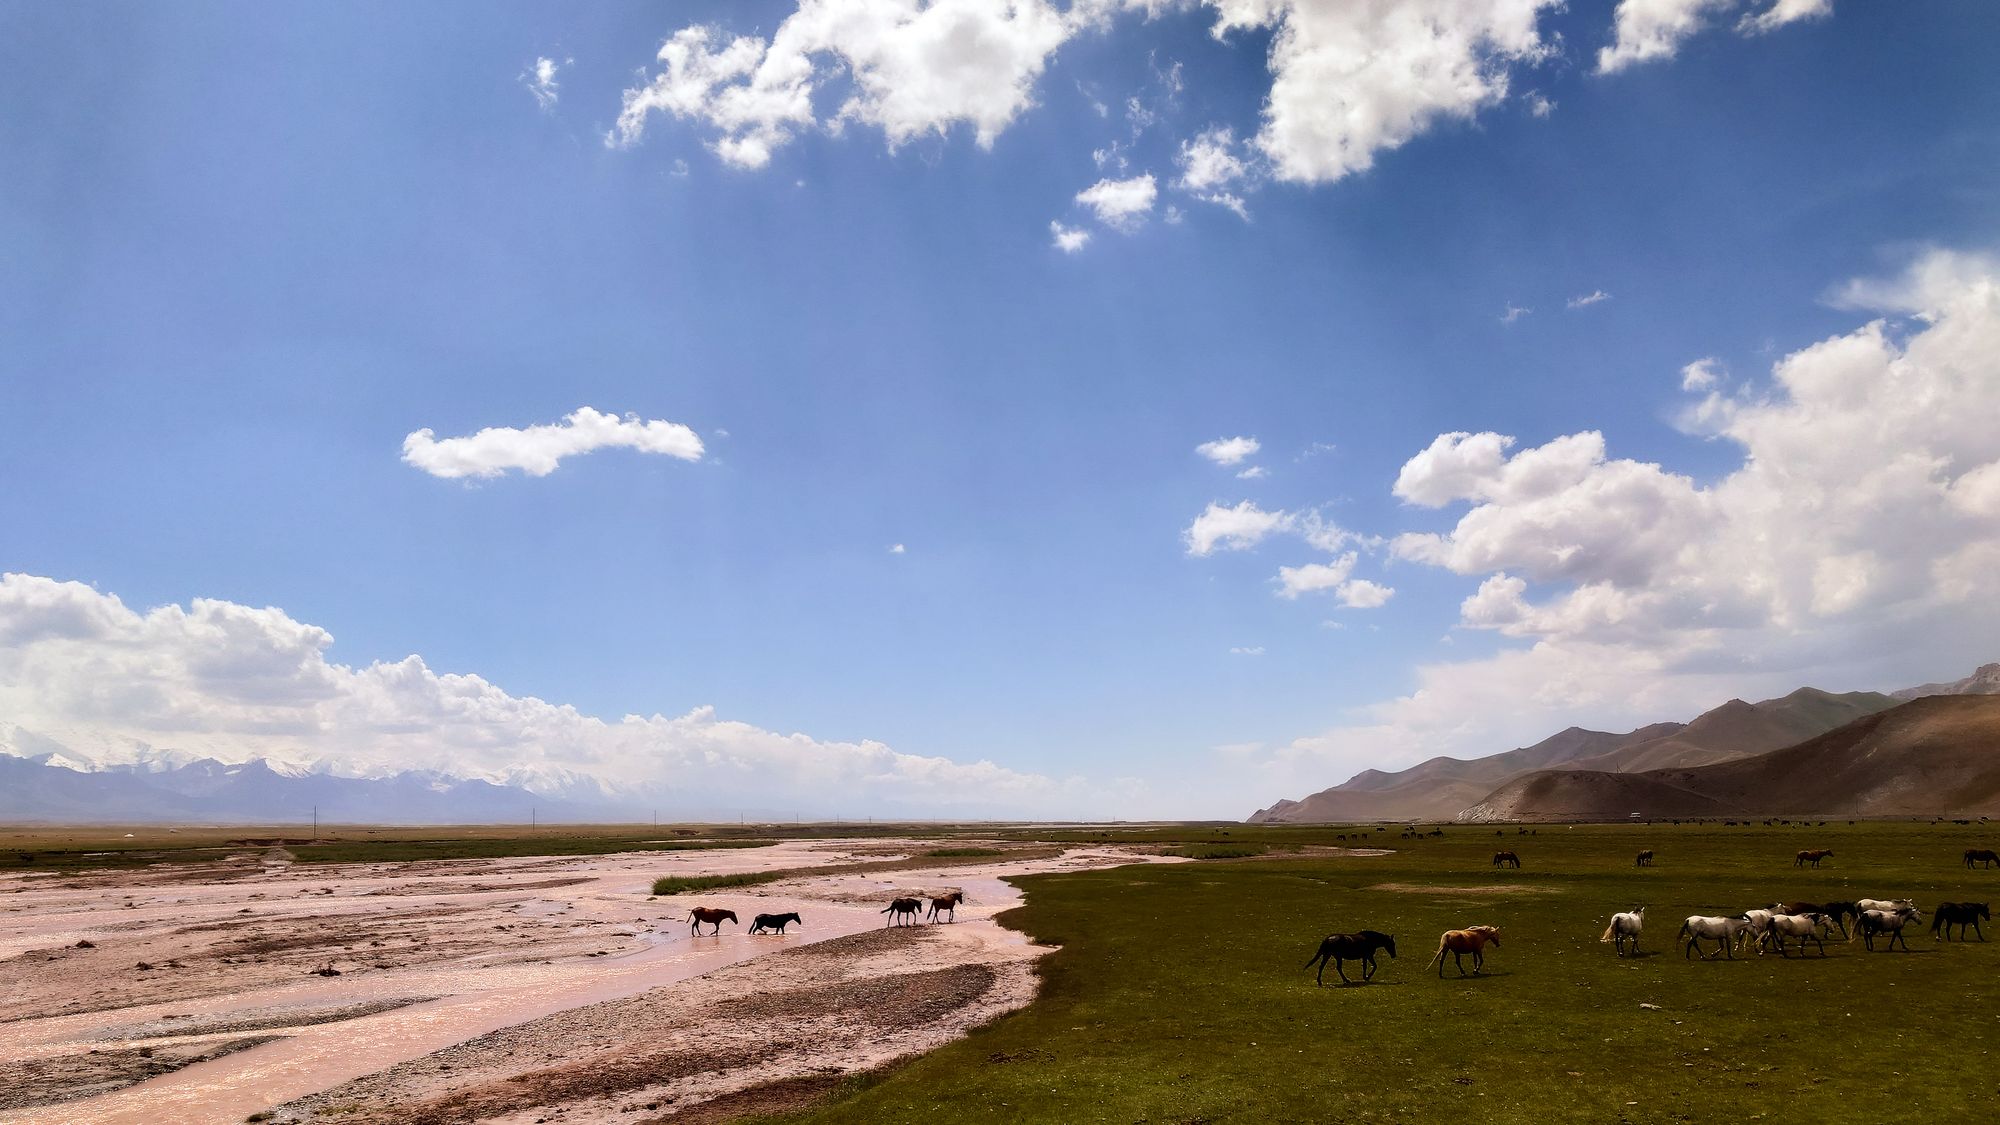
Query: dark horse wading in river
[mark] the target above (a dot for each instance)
(899, 907)
(704, 915)
(776, 922)
(1341, 948)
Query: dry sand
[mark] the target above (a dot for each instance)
(484, 990)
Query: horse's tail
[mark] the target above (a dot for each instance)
(1608, 930)
(1319, 955)
(1443, 945)
(886, 909)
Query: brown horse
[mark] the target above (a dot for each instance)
(1646, 858)
(1504, 859)
(1984, 857)
(1812, 856)
(1458, 943)
(703, 914)
(899, 907)
(1342, 948)
(947, 905)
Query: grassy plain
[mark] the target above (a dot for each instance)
(1177, 993)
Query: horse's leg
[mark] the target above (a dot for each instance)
(1340, 967)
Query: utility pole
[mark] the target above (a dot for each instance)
(532, 825)
(315, 822)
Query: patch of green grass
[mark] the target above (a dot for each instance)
(1218, 851)
(1177, 993)
(963, 853)
(682, 884)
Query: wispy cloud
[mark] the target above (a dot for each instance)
(540, 79)
(539, 450)
(1514, 312)
(1595, 296)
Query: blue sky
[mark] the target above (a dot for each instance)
(250, 250)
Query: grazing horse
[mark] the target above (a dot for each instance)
(1812, 856)
(1723, 931)
(1646, 858)
(899, 907)
(1504, 859)
(1458, 943)
(1960, 914)
(1341, 948)
(703, 914)
(1984, 857)
(1800, 926)
(947, 905)
(1626, 925)
(776, 922)
(1889, 922)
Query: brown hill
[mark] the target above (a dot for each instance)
(1439, 788)
(1935, 755)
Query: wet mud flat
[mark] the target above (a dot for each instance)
(486, 990)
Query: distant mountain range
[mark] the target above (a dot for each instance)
(1496, 787)
(50, 788)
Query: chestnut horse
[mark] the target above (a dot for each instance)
(1984, 857)
(1458, 943)
(703, 914)
(899, 907)
(1812, 856)
(1504, 859)
(947, 905)
(1341, 948)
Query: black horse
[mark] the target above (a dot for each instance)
(1341, 948)
(1984, 857)
(776, 922)
(1960, 914)
(1836, 912)
(898, 908)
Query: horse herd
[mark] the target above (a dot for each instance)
(1766, 928)
(714, 917)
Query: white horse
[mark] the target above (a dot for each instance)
(1800, 926)
(1626, 925)
(1723, 931)
(1759, 928)
(1889, 922)
(1889, 904)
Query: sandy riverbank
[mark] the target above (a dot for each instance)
(484, 990)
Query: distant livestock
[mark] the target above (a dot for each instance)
(1811, 857)
(1625, 927)
(1646, 858)
(1984, 857)
(1506, 859)
(1341, 948)
(1458, 943)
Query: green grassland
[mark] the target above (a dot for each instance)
(1177, 994)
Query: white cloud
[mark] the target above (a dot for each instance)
(538, 450)
(1254, 472)
(1350, 80)
(1855, 545)
(1314, 577)
(1229, 451)
(1540, 106)
(1593, 297)
(1121, 204)
(233, 682)
(1513, 313)
(1645, 30)
(898, 549)
(1233, 529)
(1702, 375)
(1360, 593)
(1067, 239)
(911, 68)
(1213, 172)
(540, 79)
(1256, 651)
